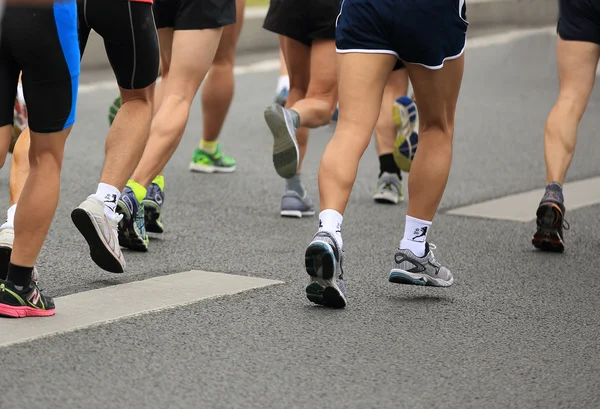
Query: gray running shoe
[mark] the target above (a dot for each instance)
(286, 154)
(294, 205)
(389, 189)
(410, 269)
(323, 259)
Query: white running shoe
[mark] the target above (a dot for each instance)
(100, 233)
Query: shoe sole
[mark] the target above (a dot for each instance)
(22, 312)
(404, 277)
(547, 238)
(296, 213)
(100, 254)
(325, 294)
(387, 199)
(194, 167)
(129, 238)
(320, 265)
(152, 214)
(286, 154)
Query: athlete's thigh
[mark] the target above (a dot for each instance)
(130, 39)
(192, 55)
(50, 64)
(437, 91)
(297, 58)
(165, 41)
(361, 81)
(323, 73)
(577, 63)
(231, 33)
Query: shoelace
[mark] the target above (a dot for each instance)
(114, 223)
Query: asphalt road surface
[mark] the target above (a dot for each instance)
(519, 329)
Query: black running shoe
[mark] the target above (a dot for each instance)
(29, 302)
(551, 221)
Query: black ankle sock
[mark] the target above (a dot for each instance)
(19, 275)
(388, 164)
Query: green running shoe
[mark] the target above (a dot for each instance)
(206, 163)
(114, 108)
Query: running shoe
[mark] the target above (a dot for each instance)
(20, 118)
(406, 117)
(7, 239)
(100, 232)
(410, 269)
(217, 163)
(132, 227)
(323, 259)
(336, 113)
(153, 202)
(551, 221)
(389, 189)
(29, 302)
(286, 154)
(113, 109)
(282, 97)
(294, 205)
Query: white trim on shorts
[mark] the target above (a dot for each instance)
(361, 51)
(435, 67)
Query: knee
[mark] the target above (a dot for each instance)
(143, 95)
(441, 128)
(223, 61)
(326, 106)
(570, 105)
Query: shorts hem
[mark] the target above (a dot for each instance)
(51, 129)
(365, 51)
(441, 65)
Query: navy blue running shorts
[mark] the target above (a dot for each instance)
(424, 32)
(42, 43)
(579, 20)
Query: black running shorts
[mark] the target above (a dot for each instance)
(194, 14)
(303, 20)
(42, 43)
(130, 38)
(579, 20)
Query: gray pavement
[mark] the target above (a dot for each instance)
(519, 329)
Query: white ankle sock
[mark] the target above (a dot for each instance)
(10, 217)
(331, 222)
(282, 82)
(415, 235)
(110, 195)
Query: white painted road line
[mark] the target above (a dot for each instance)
(521, 207)
(110, 304)
(273, 64)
